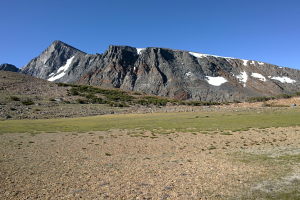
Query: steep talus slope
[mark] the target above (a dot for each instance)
(165, 72)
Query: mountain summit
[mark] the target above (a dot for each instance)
(8, 67)
(50, 60)
(164, 72)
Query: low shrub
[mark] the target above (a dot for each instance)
(260, 99)
(14, 98)
(90, 96)
(297, 94)
(98, 100)
(267, 98)
(27, 102)
(73, 92)
(81, 101)
(153, 101)
(119, 97)
(284, 96)
(89, 92)
(201, 103)
(63, 84)
(274, 105)
(137, 93)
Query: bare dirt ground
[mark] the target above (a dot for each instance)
(122, 164)
(137, 164)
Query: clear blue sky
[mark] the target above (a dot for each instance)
(264, 30)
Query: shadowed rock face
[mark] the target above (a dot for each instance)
(9, 67)
(164, 72)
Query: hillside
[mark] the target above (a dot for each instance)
(23, 96)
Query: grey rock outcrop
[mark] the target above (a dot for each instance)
(165, 72)
(9, 67)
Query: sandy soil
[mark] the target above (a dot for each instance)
(136, 165)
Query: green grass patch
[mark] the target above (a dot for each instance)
(164, 121)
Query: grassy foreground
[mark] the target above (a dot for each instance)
(193, 121)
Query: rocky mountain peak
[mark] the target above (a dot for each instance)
(8, 67)
(51, 59)
(58, 45)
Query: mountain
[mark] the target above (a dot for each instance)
(50, 60)
(9, 67)
(164, 72)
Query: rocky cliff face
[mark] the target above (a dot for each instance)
(9, 67)
(165, 72)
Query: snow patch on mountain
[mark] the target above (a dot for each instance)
(66, 66)
(139, 50)
(245, 62)
(259, 76)
(62, 70)
(283, 79)
(198, 55)
(189, 74)
(201, 55)
(215, 81)
(243, 77)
